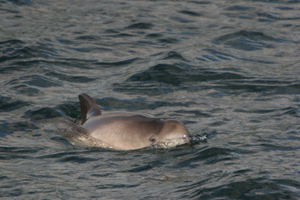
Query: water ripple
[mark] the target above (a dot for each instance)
(247, 40)
(7, 105)
(229, 70)
(140, 25)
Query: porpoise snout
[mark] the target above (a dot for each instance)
(188, 137)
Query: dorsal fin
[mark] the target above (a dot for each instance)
(88, 107)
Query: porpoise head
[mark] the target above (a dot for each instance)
(172, 133)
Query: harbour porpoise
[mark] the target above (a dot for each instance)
(127, 130)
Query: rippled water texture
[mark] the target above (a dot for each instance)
(229, 70)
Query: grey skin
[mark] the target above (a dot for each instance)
(128, 131)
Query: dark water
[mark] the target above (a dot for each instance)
(229, 70)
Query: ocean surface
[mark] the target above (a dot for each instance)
(228, 70)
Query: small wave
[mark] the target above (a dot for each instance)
(247, 40)
(174, 55)
(88, 38)
(77, 159)
(118, 63)
(43, 113)
(248, 189)
(6, 105)
(19, 50)
(34, 80)
(175, 75)
(115, 186)
(207, 156)
(74, 79)
(26, 90)
(140, 25)
(190, 13)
